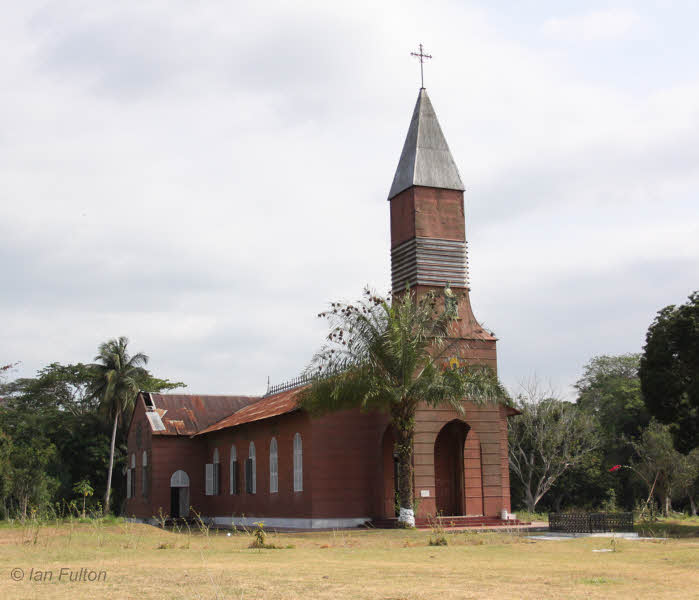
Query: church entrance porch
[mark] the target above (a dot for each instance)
(179, 495)
(449, 469)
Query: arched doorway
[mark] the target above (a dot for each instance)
(179, 495)
(449, 468)
(390, 473)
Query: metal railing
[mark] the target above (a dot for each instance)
(288, 385)
(590, 522)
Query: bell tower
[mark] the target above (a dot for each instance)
(461, 458)
(428, 229)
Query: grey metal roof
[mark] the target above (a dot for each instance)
(426, 159)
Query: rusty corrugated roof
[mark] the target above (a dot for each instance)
(271, 406)
(186, 414)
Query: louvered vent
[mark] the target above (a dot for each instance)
(426, 261)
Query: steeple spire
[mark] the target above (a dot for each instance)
(426, 159)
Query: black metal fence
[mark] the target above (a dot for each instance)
(590, 522)
(288, 385)
(297, 382)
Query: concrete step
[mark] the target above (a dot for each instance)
(449, 522)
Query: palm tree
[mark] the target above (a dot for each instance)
(115, 384)
(389, 355)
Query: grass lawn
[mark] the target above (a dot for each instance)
(145, 562)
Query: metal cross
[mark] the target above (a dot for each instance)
(421, 57)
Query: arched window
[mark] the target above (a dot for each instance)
(298, 463)
(144, 474)
(212, 476)
(217, 473)
(273, 467)
(179, 494)
(251, 470)
(179, 479)
(131, 478)
(233, 471)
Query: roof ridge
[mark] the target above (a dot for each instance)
(209, 395)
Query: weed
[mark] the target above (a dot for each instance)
(437, 533)
(595, 581)
(439, 541)
(162, 517)
(260, 538)
(204, 528)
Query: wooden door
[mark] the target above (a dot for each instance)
(175, 502)
(448, 469)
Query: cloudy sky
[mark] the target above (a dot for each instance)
(205, 177)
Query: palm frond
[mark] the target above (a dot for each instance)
(381, 352)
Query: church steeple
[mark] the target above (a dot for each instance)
(426, 159)
(428, 232)
(428, 228)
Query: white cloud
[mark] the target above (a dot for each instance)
(209, 201)
(596, 25)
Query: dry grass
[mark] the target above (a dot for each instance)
(145, 562)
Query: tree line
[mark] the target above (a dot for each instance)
(61, 433)
(630, 439)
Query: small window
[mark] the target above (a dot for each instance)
(298, 463)
(209, 479)
(251, 470)
(144, 475)
(233, 471)
(217, 474)
(179, 479)
(148, 401)
(273, 467)
(133, 477)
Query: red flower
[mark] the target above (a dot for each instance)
(615, 468)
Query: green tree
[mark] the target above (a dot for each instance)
(5, 471)
(546, 439)
(115, 383)
(58, 404)
(688, 478)
(610, 389)
(56, 386)
(585, 484)
(30, 458)
(670, 371)
(658, 464)
(388, 354)
(84, 488)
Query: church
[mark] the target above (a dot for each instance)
(236, 460)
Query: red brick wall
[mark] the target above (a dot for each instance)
(346, 467)
(166, 454)
(504, 461)
(473, 477)
(484, 438)
(402, 217)
(139, 504)
(285, 502)
(346, 472)
(427, 212)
